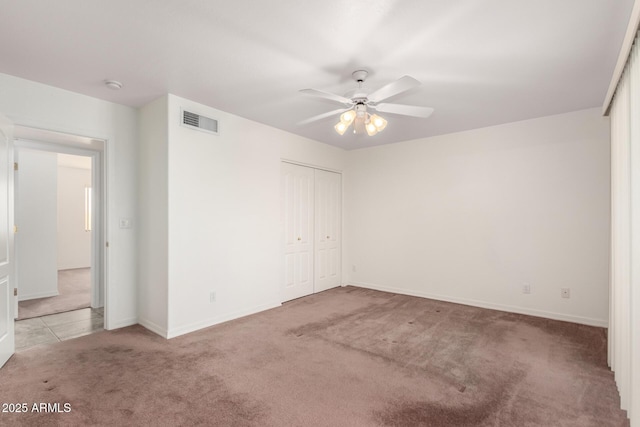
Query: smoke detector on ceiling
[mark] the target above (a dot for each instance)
(113, 84)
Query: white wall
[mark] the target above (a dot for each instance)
(224, 232)
(471, 217)
(36, 217)
(153, 284)
(74, 243)
(33, 104)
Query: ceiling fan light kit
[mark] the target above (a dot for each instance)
(372, 123)
(360, 102)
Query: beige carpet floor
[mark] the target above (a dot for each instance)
(344, 357)
(74, 287)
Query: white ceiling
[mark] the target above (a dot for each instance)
(481, 62)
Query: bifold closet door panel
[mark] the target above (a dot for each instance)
(328, 203)
(298, 209)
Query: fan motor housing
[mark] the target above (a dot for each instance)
(361, 109)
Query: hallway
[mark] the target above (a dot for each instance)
(74, 287)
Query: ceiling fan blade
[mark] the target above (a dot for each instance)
(327, 95)
(402, 84)
(405, 110)
(322, 116)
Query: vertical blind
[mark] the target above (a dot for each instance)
(624, 297)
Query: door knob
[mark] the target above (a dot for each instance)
(299, 238)
(327, 237)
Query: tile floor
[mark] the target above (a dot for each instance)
(58, 327)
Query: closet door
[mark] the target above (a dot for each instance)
(328, 200)
(298, 212)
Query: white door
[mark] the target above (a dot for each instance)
(298, 201)
(328, 200)
(7, 340)
(36, 215)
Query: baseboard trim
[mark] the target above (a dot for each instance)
(175, 332)
(37, 295)
(153, 327)
(122, 323)
(485, 304)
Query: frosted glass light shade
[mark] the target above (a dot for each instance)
(341, 127)
(378, 122)
(347, 117)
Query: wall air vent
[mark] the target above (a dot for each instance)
(196, 121)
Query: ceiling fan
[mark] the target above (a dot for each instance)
(358, 104)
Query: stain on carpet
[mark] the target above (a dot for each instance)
(470, 410)
(159, 380)
(479, 360)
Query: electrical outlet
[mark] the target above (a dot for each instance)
(212, 297)
(565, 292)
(526, 288)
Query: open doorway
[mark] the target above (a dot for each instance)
(58, 206)
(53, 208)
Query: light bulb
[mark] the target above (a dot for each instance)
(378, 122)
(347, 117)
(371, 129)
(341, 128)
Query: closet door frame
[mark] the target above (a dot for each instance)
(283, 234)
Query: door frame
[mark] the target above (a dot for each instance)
(96, 150)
